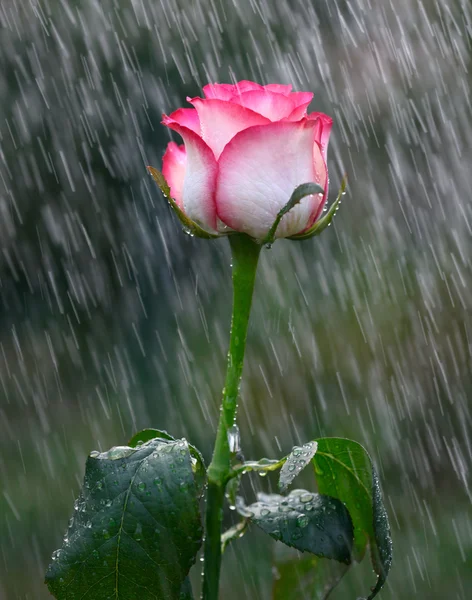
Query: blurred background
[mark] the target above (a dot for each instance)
(112, 319)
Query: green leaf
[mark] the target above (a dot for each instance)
(136, 529)
(304, 576)
(300, 192)
(324, 222)
(189, 225)
(149, 434)
(296, 461)
(198, 464)
(344, 470)
(305, 521)
(186, 592)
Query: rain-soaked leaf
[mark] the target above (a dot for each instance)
(136, 529)
(300, 576)
(145, 435)
(308, 522)
(345, 471)
(198, 464)
(296, 461)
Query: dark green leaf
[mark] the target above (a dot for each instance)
(296, 461)
(344, 470)
(304, 576)
(186, 592)
(136, 529)
(149, 434)
(198, 464)
(305, 521)
(300, 192)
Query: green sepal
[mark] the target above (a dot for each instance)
(136, 529)
(233, 533)
(321, 224)
(190, 226)
(295, 462)
(308, 522)
(198, 464)
(300, 192)
(344, 470)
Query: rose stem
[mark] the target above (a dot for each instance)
(245, 255)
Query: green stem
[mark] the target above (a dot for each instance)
(245, 254)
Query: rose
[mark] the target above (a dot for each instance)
(246, 148)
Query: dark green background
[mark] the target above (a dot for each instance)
(112, 320)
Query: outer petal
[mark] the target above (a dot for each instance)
(300, 102)
(278, 88)
(268, 104)
(258, 171)
(198, 191)
(224, 91)
(188, 117)
(173, 169)
(321, 177)
(221, 121)
(322, 131)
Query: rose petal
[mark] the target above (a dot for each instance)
(221, 121)
(224, 91)
(198, 191)
(268, 104)
(188, 117)
(322, 130)
(173, 169)
(278, 88)
(258, 171)
(321, 177)
(300, 101)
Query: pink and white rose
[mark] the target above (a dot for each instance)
(246, 148)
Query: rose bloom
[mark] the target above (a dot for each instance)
(246, 148)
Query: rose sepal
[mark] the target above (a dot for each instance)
(321, 224)
(300, 192)
(190, 226)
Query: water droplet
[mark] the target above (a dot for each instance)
(306, 498)
(297, 534)
(141, 486)
(94, 454)
(265, 512)
(138, 532)
(302, 521)
(118, 452)
(106, 534)
(234, 439)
